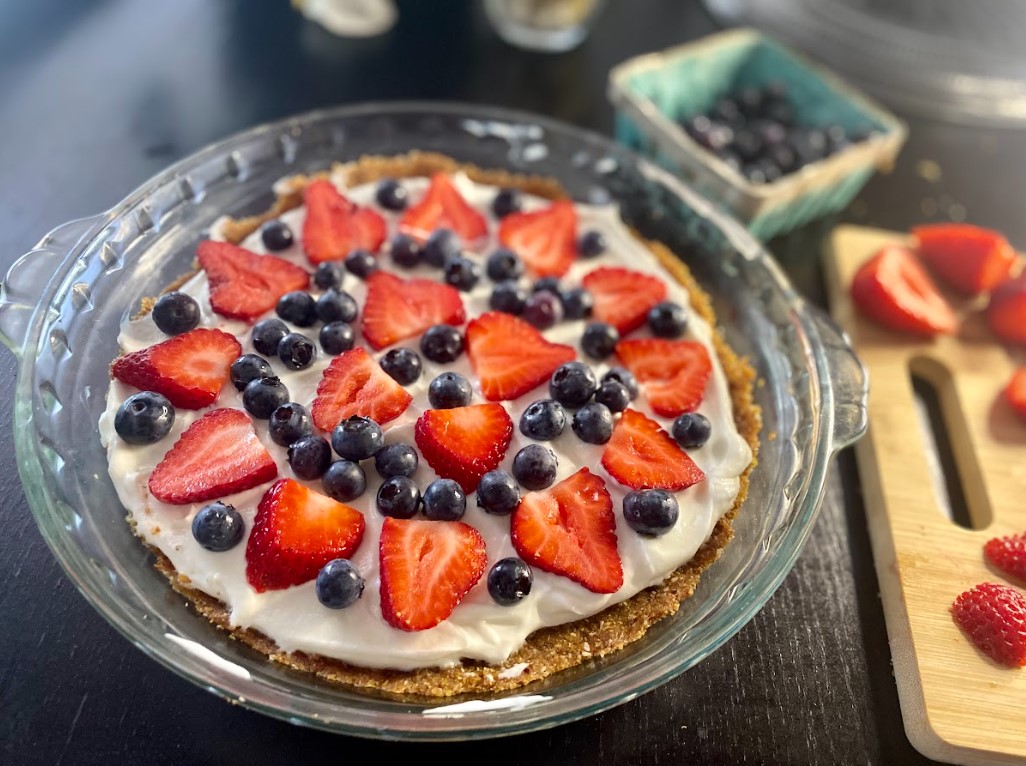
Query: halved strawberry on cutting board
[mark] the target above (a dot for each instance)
(968, 258)
(244, 284)
(297, 531)
(545, 239)
(510, 356)
(443, 207)
(641, 455)
(672, 373)
(1015, 392)
(397, 309)
(1006, 312)
(464, 443)
(569, 530)
(334, 226)
(427, 567)
(217, 455)
(623, 297)
(355, 384)
(189, 369)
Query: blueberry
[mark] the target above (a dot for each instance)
(344, 481)
(593, 423)
(263, 396)
(750, 101)
(780, 112)
(361, 263)
(329, 275)
(442, 343)
(175, 313)
(770, 133)
(506, 201)
(267, 334)
(708, 134)
(391, 194)
(336, 306)
(497, 493)
(444, 501)
(625, 376)
(577, 303)
(691, 429)
(448, 390)
(504, 264)
(399, 498)
(546, 283)
(144, 418)
(402, 364)
(218, 527)
(357, 438)
(650, 512)
(441, 245)
(406, 251)
(614, 395)
(509, 581)
(336, 337)
(309, 456)
(338, 584)
(599, 340)
(462, 273)
(249, 367)
(726, 111)
(296, 351)
(808, 144)
(543, 420)
(762, 171)
(396, 460)
(535, 466)
(747, 144)
(783, 157)
(572, 384)
(298, 308)
(667, 320)
(508, 297)
(276, 235)
(543, 310)
(288, 422)
(837, 138)
(730, 158)
(591, 244)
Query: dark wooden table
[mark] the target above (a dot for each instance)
(98, 95)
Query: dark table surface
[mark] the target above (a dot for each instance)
(98, 95)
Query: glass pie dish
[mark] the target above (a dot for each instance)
(62, 304)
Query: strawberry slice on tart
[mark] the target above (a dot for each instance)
(623, 297)
(334, 226)
(545, 239)
(464, 443)
(641, 455)
(354, 384)
(672, 373)
(244, 284)
(443, 207)
(968, 258)
(397, 309)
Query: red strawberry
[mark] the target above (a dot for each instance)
(893, 289)
(189, 369)
(994, 618)
(427, 567)
(1016, 392)
(244, 285)
(510, 356)
(217, 455)
(546, 239)
(1006, 311)
(672, 373)
(296, 532)
(464, 443)
(354, 384)
(334, 226)
(398, 309)
(623, 297)
(1008, 554)
(569, 530)
(641, 455)
(970, 259)
(443, 207)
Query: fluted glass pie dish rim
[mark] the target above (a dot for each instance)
(61, 301)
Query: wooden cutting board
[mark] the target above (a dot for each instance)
(958, 706)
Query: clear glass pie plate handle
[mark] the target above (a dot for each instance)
(849, 380)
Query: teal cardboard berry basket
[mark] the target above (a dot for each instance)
(654, 92)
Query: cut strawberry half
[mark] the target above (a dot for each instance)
(217, 455)
(464, 443)
(970, 259)
(623, 297)
(510, 356)
(297, 531)
(569, 530)
(673, 373)
(1015, 392)
(427, 567)
(641, 455)
(443, 207)
(189, 369)
(892, 288)
(545, 239)
(243, 284)
(334, 226)
(1006, 312)
(355, 384)
(994, 618)
(1008, 554)
(398, 309)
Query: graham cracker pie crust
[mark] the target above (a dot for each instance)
(549, 650)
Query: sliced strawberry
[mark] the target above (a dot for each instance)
(354, 384)
(892, 288)
(189, 369)
(672, 373)
(1006, 311)
(1008, 554)
(464, 443)
(243, 284)
(994, 618)
(569, 530)
(334, 226)
(641, 455)
(510, 356)
(297, 531)
(398, 309)
(1015, 392)
(970, 259)
(427, 567)
(545, 239)
(443, 207)
(623, 297)
(217, 455)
